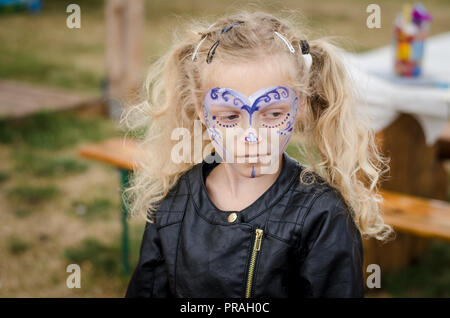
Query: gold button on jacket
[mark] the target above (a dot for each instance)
(232, 217)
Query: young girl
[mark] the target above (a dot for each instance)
(240, 217)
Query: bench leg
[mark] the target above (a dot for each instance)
(124, 177)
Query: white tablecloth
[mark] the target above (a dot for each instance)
(383, 96)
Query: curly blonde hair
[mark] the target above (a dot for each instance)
(335, 139)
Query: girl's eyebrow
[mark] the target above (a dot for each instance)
(224, 107)
(275, 106)
(265, 89)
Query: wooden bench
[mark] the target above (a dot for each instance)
(19, 99)
(118, 152)
(423, 217)
(426, 218)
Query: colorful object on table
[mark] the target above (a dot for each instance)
(410, 31)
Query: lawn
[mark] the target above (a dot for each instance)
(58, 209)
(40, 48)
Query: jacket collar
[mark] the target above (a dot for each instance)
(206, 208)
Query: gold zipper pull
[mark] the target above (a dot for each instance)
(256, 248)
(259, 234)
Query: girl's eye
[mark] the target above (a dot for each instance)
(273, 115)
(229, 118)
(232, 117)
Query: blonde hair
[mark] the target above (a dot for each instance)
(336, 142)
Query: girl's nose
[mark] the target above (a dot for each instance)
(251, 136)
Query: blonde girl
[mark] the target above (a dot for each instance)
(237, 216)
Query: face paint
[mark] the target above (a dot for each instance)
(270, 111)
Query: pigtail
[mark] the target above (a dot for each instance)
(341, 146)
(167, 86)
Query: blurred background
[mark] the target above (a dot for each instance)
(60, 182)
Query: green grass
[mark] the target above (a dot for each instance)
(54, 131)
(28, 67)
(95, 208)
(47, 166)
(30, 195)
(17, 246)
(106, 259)
(41, 49)
(22, 211)
(3, 176)
(428, 277)
(294, 153)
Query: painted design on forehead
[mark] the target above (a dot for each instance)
(257, 101)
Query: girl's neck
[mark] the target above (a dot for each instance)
(231, 191)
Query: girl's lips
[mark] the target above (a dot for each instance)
(257, 155)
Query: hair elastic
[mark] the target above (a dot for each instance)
(304, 45)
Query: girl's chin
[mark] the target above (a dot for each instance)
(252, 161)
(254, 170)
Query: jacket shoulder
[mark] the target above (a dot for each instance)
(309, 196)
(326, 214)
(172, 207)
(319, 198)
(305, 193)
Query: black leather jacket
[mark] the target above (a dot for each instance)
(295, 240)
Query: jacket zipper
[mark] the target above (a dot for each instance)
(256, 248)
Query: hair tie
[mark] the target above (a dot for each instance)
(304, 45)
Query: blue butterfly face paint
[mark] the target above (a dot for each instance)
(259, 125)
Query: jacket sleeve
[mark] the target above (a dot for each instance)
(331, 251)
(150, 277)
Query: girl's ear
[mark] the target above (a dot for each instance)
(302, 103)
(301, 107)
